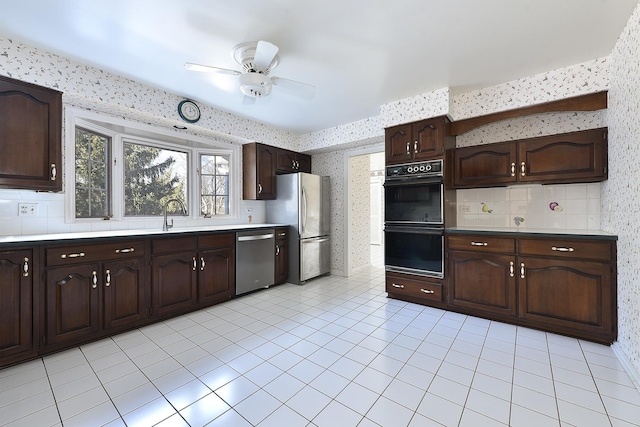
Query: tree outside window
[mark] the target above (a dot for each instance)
(214, 185)
(92, 174)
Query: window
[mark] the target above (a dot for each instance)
(214, 185)
(121, 170)
(152, 176)
(92, 174)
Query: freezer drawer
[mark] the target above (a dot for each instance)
(314, 257)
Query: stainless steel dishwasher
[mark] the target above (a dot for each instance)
(255, 259)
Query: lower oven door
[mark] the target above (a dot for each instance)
(418, 251)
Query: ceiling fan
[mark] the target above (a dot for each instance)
(256, 60)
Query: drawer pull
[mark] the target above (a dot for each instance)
(479, 244)
(125, 250)
(395, 285)
(523, 169)
(511, 269)
(561, 249)
(94, 280)
(513, 168)
(427, 291)
(522, 270)
(108, 283)
(25, 267)
(74, 255)
(282, 234)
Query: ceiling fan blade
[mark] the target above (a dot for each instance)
(265, 53)
(299, 89)
(209, 69)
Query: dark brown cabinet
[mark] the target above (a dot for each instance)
(288, 161)
(92, 290)
(191, 272)
(418, 289)
(565, 158)
(16, 305)
(558, 284)
(258, 171)
(418, 141)
(282, 255)
(30, 136)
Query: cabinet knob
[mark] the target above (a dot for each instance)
(194, 264)
(94, 280)
(25, 267)
(415, 147)
(511, 269)
(408, 149)
(202, 264)
(277, 250)
(523, 169)
(54, 172)
(513, 168)
(108, 278)
(259, 188)
(522, 270)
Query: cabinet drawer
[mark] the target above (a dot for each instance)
(481, 243)
(78, 253)
(214, 241)
(174, 244)
(417, 288)
(566, 248)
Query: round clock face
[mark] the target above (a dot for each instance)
(189, 111)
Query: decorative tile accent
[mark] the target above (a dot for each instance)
(621, 193)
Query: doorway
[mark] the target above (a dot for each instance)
(365, 205)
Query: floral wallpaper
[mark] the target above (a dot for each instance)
(621, 193)
(360, 204)
(431, 104)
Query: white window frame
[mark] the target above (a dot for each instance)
(145, 134)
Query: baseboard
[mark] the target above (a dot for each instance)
(338, 273)
(627, 365)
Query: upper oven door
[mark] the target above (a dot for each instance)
(413, 202)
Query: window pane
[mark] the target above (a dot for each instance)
(214, 181)
(92, 174)
(152, 176)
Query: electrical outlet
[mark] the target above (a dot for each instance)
(465, 208)
(27, 209)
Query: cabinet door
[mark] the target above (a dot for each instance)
(566, 295)
(428, 139)
(216, 277)
(282, 259)
(286, 161)
(398, 144)
(266, 172)
(124, 293)
(173, 283)
(488, 165)
(304, 163)
(482, 281)
(30, 132)
(16, 291)
(571, 157)
(71, 303)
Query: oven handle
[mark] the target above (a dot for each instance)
(413, 230)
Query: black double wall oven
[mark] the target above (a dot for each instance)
(414, 219)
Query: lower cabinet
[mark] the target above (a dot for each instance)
(282, 255)
(418, 289)
(556, 284)
(191, 272)
(85, 300)
(16, 305)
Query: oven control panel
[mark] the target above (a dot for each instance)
(429, 168)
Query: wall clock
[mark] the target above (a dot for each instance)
(189, 111)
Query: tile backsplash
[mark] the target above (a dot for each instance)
(563, 206)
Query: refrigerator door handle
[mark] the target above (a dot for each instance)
(315, 240)
(303, 211)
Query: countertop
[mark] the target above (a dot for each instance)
(143, 232)
(534, 232)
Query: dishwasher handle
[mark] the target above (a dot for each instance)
(255, 237)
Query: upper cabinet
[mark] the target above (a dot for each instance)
(30, 136)
(261, 163)
(564, 158)
(258, 171)
(288, 161)
(418, 141)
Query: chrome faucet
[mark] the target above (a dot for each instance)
(165, 225)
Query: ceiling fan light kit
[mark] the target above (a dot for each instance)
(256, 60)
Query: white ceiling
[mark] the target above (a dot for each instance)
(359, 54)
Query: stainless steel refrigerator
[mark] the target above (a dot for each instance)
(303, 203)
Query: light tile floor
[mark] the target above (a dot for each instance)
(335, 352)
